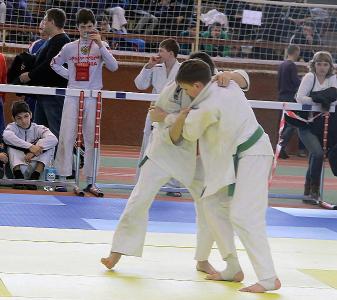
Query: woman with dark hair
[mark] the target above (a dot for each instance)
(321, 77)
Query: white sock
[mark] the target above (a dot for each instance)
(233, 267)
(268, 284)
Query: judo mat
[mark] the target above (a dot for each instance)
(51, 244)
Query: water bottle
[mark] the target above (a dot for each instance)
(50, 175)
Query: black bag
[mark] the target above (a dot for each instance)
(303, 114)
(22, 63)
(325, 97)
(298, 123)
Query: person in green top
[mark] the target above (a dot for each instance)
(216, 32)
(191, 31)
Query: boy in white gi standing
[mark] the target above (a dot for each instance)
(162, 161)
(85, 58)
(236, 155)
(30, 146)
(160, 71)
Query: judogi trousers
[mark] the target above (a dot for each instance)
(147, 135)
(244, 213)
(130, 233)
(68, 134)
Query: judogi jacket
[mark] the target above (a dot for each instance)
(178, 160)
(156, 77)
(222, 119)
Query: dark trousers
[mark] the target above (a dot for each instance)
(31, 101)
(48, 112)
(288, 129)
(286, 135)
(316, 155)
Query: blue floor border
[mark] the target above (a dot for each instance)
(71, 212)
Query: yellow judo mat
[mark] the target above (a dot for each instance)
(40, 263)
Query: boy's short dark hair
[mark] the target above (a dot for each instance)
(292, 49)
(19, 107)
(57, 15)
(85, 16)
(215, 24)
(170, 45)
(194, 70)
(205, 58)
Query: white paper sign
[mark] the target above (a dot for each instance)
(252, 17)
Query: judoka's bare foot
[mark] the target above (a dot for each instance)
(259, 288)
(238, 277)
(112, 260)
(206, 267)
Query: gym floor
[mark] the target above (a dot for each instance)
(51, 244)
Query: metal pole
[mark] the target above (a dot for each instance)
(325, 150)
(94, 189)
(79, 141)
(321, 202)
(197, 31)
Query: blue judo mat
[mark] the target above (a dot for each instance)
(165, 216)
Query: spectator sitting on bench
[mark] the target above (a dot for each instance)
(126, 44)
(30, 146)
(215, 32)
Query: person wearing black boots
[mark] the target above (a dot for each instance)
(316, 87)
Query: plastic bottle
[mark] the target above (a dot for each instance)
(50, 175)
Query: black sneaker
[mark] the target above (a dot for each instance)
(173, 194)
(87, 188)
(283, 154)
(96, 191)
(310, 201)
(18, 175)
(311, 193)
(61, 189)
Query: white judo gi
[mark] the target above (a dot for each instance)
(164, 160)
(158, 78)
(71, 54)
(18, 137)
(222, 119)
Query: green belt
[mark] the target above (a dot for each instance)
(241, 148)
(142, 162)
